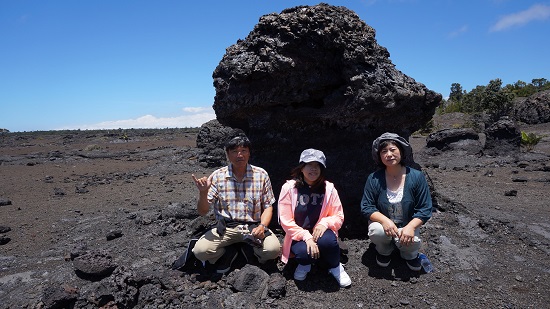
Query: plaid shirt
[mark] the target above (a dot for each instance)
(241, 201)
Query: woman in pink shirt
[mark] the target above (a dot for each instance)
(310, 212)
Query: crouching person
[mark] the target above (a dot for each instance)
(242, 197)
(310, 212)
(396, 201)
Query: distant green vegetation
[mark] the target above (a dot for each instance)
(494, 99)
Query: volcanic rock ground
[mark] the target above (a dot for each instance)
(489, 241)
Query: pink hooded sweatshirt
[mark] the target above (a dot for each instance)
(332, 215)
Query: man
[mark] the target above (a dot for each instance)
(242, 197)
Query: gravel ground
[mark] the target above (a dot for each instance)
(488, 241)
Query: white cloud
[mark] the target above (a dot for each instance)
(192, 117)
(196, 109)
(459, 31)
(535, 12)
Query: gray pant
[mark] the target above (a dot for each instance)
(210, 247)
(386, 244)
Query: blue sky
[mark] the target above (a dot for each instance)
(148, 64)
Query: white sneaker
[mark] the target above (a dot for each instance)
(301, 272)
(340, 275)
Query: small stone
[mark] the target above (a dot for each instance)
(114, 234)
(511, 193)
(4, 239)
(58, 192)
(4, 201)
(519, 179)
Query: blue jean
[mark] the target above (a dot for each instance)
(329, 250)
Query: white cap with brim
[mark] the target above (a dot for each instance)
(313, 155)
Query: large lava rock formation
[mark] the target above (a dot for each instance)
(314, 76)
(534, 109)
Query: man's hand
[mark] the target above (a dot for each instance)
(258, 232)
(203, 183)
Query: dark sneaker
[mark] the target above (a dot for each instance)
(414, 264)
(383, 260)
(223, 264)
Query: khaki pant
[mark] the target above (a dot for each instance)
(386, 244)
(210, 247)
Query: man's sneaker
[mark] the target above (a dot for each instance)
(414, 264)
(383, 260)
(340, 275)
(301, 272)
(223, 264)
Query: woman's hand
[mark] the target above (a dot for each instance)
(406, 236)
(318, 231)
(390, 228)
(312, 248)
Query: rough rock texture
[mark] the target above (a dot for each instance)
(94, 265)
(455, 139)
(250, 280)
(502, 137)
(142, 187)
(314, 76)
(535, 109)
(211, 139)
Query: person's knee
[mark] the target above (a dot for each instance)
(200, 253)
(328, 240)
(272, 248)
(203, 249)
(376, 232)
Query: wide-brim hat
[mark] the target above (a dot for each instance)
(406, 157)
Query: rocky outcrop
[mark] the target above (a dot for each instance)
(94, 266)
(211, 139)
(503, 138)
(455, 139)
(535, 109)
(314, 76)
